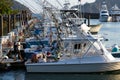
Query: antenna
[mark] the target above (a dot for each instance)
(59, 3)
(66, 5)
(79, 9)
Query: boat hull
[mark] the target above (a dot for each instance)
(95, 28)
(105, 18)
(116, 54)
(73, 68)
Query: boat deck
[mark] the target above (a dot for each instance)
(6, 61)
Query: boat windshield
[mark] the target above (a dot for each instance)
(104, 11)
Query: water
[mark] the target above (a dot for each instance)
(23, 75)
(100, 76)
(110, 30)
(12, 75)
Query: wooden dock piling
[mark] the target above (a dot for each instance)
(1, 25)
(9, 25)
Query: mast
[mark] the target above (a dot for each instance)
(79, 9)
(66, 5)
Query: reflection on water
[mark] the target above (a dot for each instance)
(12, 75)
(93, 76)
(23, 75)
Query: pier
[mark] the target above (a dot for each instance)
(13, 28)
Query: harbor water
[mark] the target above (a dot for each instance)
(23, 75)
(109, 30)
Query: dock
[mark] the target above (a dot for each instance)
(8, 61)
(15, 32)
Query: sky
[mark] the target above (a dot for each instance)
(36, 5)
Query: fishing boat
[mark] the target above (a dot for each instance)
(75, 50)
(104, 13)
(85, 54)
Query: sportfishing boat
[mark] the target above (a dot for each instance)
(75, 50)
(81, 53)
(104, 13)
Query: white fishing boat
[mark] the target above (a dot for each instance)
(75, 50)
(104, 13)
(85, 54)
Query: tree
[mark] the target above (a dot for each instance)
(6, 6)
